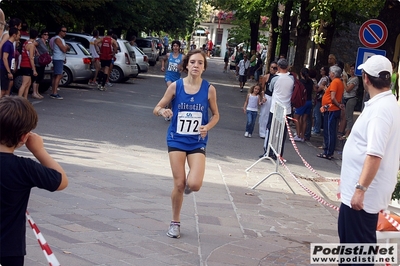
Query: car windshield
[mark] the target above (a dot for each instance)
(130, 49)
(143, 43)
(140, 51)
(83, 49)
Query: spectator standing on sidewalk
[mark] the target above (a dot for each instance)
(301, 114)
(350, 102)
(41, 49)
(241, 70)
(322, 84)
(190, 98)
(331, 107)
(18, 175)
(266, 95)
(282, 87)
(6, 65)
(370, 157)
(60, 49)
(28, 68)
(95, 57)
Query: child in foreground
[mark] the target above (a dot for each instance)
(18, 175)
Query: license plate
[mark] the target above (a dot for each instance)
(47, 76)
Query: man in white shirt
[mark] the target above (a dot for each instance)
(241, 70)
(370, 157)
(282, 87)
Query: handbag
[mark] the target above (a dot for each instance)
(44, 59)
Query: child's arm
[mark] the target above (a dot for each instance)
(34, 143)
(245, 103)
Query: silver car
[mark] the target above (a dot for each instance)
(149, 47)
(78, 65)
(142, 60)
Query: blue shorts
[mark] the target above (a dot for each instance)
(58, 66)
(305, 109)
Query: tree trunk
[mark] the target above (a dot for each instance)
(285, 35)
(389, 15)
(254, 27)
(273, 36)
(324, 49)
(303, 35)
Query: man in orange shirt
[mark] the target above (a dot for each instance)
(331, 107)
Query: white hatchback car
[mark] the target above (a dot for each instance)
(125, 66)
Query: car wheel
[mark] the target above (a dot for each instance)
(66, 78)
(43, 87)
(138, 68)
(116, 75)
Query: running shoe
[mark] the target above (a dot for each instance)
(296, 138)
(101, 88)
(56, 96)
(174, 230)
(109, 84)
(187, 190)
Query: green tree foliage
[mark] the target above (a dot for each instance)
(175, 16)
(248, 13)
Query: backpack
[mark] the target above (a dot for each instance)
(51, 43)
(299, 95)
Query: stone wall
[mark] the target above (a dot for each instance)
(345, 44)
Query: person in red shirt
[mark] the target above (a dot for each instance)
(108, 49)
(331, 107)
(27, 67)
(210, 46)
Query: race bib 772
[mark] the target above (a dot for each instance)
(189, 123)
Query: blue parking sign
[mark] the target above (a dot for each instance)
(363, 54)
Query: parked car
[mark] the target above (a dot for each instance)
(142, 60)
(125, 64)
(78, 64)
(149, 47)
(48, 73)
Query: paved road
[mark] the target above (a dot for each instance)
(117, 208)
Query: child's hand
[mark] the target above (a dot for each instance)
(34, 143)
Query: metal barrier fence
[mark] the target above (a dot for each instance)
(274, 143)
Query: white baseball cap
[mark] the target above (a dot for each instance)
(375, 65)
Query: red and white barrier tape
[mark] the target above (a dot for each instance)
(309, 191)
(306, 164)
(48, 253)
